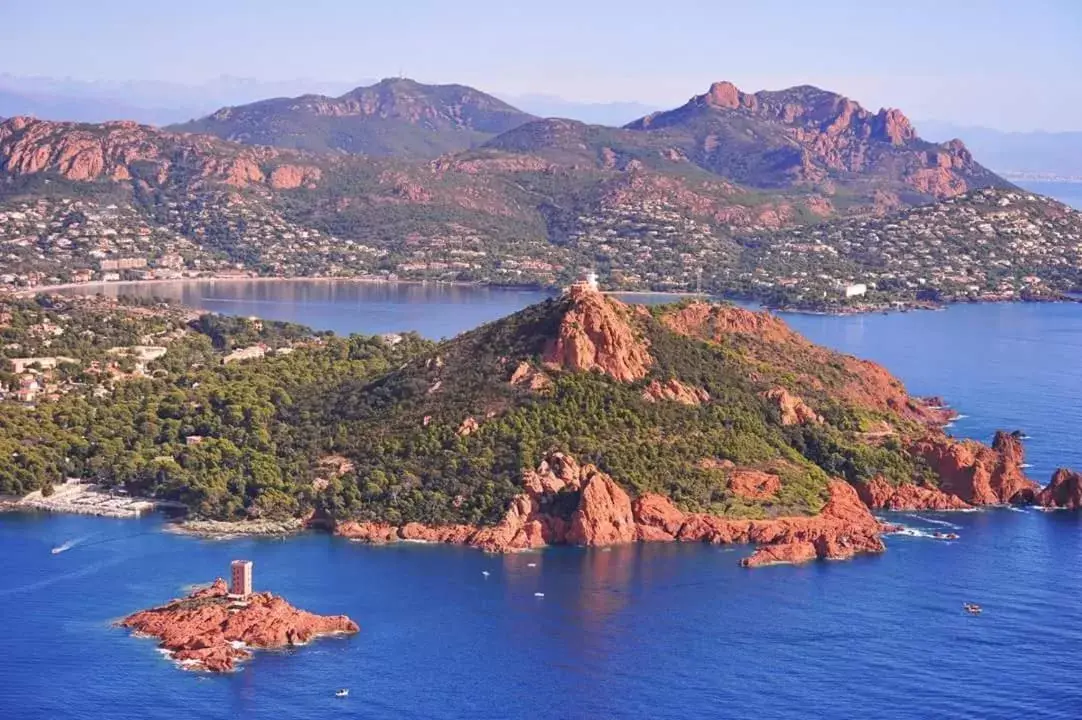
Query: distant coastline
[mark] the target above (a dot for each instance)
(100, 284)
(891, 306)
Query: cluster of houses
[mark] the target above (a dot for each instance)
(991, 245)
(54, 240)
(649, 244)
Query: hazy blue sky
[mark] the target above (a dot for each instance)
(1012, 64)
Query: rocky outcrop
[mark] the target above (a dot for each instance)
(209, 630)
(715, 322)
(468, 427)
(604, 514)
(1065, 491)
(805, 135)
(787, 553)
(526, 375)
(878, 494)
(794, 411)
(753, 484)
(601, 515)
(287, 177)
(375, 533)
(595, 334)
(978, 474)
(675, 391)
(123, 151)
(841, 530)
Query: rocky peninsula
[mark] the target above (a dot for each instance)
(213, 630)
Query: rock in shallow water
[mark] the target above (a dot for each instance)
(211, 630)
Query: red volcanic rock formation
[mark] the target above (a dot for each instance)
(878, 494)
(714, 322)
(675, 391)
(658, 519)
(788, 553)
(794, 411)
(977, 474)
(726, 95)
(842, 529)
(595, 335)
(210, 631)
(526, 375)
(815, 136)
(605, 515)
(376, 533)
(1065, 490)
(753, 484)
(775, 343)
(113, 150)
(287, 177)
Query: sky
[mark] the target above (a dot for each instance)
(1011, 65)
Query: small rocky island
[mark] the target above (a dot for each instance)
(216, 627)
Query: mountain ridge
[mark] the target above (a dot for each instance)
(394, 117)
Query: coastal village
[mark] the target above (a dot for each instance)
(994, 245)
(47, 352)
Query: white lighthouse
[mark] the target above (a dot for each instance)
(591, 280)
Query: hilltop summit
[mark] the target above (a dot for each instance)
(395, 117)
(805, 135)
(583, 420)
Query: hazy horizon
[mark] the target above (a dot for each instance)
(1001, 65)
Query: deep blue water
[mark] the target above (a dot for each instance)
(1066, 192)
(636, 632)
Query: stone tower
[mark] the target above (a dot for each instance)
(241, 578)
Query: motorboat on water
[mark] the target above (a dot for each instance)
(344, 692)
(972, 608)
(946, 536)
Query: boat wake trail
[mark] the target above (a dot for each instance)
(64, 547)
(933, 521)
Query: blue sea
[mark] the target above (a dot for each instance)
(1069, 193)
(633, 632)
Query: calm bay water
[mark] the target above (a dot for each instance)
(636, 632)
(1066, 192)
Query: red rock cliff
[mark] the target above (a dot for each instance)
(1065, 490)
(209, 631)
(878, 494)
(110, 151)
(595, 334)
(978, 474)
(606, 515)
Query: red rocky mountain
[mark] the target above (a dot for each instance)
(812, 137)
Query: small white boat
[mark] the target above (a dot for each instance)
(539, 594)
(531, 564)
(485, 573)
(344, 692)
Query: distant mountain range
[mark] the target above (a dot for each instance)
(1021, 155)
(407, 180)
(395, 117)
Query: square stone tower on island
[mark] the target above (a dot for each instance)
(241, 578)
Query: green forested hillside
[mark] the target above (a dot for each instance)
(404, 431)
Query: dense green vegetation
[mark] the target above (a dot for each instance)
(252, 439)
